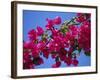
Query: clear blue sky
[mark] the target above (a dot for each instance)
(33, 18)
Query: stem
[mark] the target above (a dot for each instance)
(67, 23)
(73, 19)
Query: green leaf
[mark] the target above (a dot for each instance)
(79, 50)
(87, 54)
(64, 29)
(44, 37)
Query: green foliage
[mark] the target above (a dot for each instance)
(87, 54)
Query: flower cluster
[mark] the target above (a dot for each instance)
(61, 42)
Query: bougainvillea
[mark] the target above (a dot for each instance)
(63, 43)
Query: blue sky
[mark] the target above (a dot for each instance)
(32, 19)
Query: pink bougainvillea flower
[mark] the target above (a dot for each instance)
(70, 50)
(32, 34)
(55, 32)
(56, 65)
(63, 51)
(27, 62)
(54, 56)
(28, 66)
(53, 46)
(57, 20)
(38, 61)
(28, 45)
(70, 38)
(68, 61)
(88, 16)
(74, 30)
(46, 53)
(62, 55)
(75, 62)
(26, 56)
(35, 51)
(84, 39)
(57, 42)
(50, 21)
(41, 45)
(40, 31)
(50, 24)
(80, 17)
